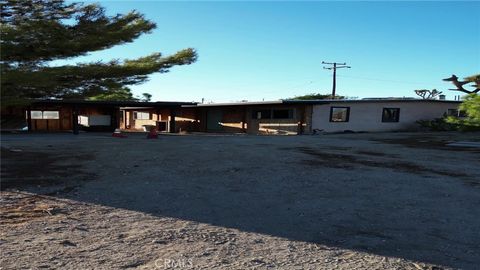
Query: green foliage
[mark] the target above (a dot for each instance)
(474, 78)
(115, 94)
(438, 124)
(315, 96)
(471, 106)
(35, 32)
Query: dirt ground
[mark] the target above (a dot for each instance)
(344, 201)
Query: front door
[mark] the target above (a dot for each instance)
(214, 119)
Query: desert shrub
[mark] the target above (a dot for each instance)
(471, 106)
(438, 124)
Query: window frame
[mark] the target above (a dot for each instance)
(270, 113)
(291, 113)
(135, 115)
(396, 120)
(36, 111)
(347, 119)
(456, 114)
(41, 115)
(51, 118)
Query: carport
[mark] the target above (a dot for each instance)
(75, 115)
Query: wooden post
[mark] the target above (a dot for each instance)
(172, 120)
(302, 120)
(157, 122)
(29, 118)
(334, 80)
(114, 119)
(244, 119)
(75, 120)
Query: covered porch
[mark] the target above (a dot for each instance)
(74, 116)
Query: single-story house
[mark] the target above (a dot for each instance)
(282, 117)
(287, 117)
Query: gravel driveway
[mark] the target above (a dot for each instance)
(344, 201)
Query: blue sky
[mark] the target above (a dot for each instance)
(272, 50)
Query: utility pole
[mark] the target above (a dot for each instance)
(335, 66)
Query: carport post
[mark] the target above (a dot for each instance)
(244, 119)
(115, 118)
(75, 120)
(302, 119)
(29, 118)
(172, 120)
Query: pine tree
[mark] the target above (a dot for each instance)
(35, 32)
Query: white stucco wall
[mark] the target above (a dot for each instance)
(367, 116)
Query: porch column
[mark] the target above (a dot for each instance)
(302, 121)
(173, 113)
(75, 120)
(29, 118)
(244, 119)
(115, 118)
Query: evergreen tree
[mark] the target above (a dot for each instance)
(35, 32)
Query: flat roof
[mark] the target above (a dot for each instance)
(237, 103)
(321, 101)
(120, 103)
(367, 100)
(140, 104)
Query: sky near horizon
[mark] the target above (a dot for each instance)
(272, 50)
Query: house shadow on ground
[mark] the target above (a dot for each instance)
(290, 193)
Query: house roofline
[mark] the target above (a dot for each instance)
(121, 103)
(320, 101)
(139, 104)
(371, 100)
(274, 102)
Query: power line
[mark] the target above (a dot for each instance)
(334, 66)
(381, 80)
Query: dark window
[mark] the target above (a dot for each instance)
(452, 112)
(462, 113)
(339, 114)
(283, 114)
(390, 114)
(261, 114)
(162, 126)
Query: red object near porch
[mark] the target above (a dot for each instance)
(152, 134)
